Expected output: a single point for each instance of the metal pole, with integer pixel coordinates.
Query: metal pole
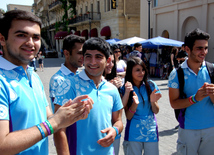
(148, 19)
(89, 27)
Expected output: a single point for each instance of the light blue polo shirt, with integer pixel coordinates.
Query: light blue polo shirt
(22, 101)
(56, 80)
(84, 134)
(143, 125)
(201, 114)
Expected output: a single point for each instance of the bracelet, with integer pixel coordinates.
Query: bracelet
(47, 128)
(50, 127)
(41, 130)
(194, 99)
(131, 111)
(191, 100)
(116, 129)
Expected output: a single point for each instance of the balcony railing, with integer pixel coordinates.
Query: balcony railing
(54, 4)
(93, 16)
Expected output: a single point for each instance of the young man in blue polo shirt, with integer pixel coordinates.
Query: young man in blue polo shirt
(196, 120)
(72, 48)
(25, 117)
(95, 134)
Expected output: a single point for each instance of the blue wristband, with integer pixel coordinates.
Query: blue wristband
(41, 130)
(115, 128)
(194, 98)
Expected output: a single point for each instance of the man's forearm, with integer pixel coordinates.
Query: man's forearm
(61, 143)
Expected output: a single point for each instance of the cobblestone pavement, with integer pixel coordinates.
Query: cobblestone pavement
(165, 117)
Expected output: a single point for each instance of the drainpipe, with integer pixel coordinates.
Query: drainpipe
(126, 19)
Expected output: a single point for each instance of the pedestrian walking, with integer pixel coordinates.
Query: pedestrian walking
(41, 61)
(33, 63)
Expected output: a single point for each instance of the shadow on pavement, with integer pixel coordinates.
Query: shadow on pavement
(168, 132)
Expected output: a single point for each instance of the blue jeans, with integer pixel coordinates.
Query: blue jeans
(33, 64)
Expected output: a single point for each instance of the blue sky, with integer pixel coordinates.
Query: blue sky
(4, 3)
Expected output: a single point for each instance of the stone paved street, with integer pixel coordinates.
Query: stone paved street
(165, 118)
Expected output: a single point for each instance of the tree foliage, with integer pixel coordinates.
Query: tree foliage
(65, 18)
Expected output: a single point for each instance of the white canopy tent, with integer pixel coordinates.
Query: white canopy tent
(130, 41)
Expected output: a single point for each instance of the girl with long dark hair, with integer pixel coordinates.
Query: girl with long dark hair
(140, 100)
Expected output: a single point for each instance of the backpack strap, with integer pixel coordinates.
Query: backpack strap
(180, 73)
(210, 69)
(180, 112)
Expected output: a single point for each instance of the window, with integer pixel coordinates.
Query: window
(92, 8)
(86, 8)
(155, 3)
(98, 6)
(104, 5)
(108, 5)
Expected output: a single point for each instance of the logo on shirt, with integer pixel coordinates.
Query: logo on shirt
(3, 112)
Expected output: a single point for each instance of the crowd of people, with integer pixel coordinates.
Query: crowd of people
(159, 62)
(87, 106)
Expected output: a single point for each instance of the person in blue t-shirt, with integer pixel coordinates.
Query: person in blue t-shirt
(140, 99)
(25, 117)
(95, 134)
(72, 48)
(196, 118)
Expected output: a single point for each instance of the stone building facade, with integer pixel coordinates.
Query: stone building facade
(94, 18)
(20, 7)
(174, 18)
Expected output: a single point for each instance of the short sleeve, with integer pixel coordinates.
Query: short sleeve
(173, 80)
(4, 102)
(117, 101)
(124, 64)
(153, 86)
(64, 92)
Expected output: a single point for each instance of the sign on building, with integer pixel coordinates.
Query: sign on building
(113, 4)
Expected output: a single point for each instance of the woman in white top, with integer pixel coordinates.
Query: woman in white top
(121, 65)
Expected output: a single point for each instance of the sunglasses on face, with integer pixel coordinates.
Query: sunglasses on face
(116, 51)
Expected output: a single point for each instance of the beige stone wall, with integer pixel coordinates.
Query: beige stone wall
(178, 17)
(19, 7)
(121, 26)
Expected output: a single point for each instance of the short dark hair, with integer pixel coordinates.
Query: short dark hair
(97, 44)
(69, 42)
(114, 47)
(137, 45)
(9, 16)
(129, 48)
(194, 35)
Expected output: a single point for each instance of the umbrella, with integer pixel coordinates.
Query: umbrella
(112, 41)
(130, 41)
(159, 42)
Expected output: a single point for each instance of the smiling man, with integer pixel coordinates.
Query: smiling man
(95, 134)
(72, 48)
(25, 120)
(196, 118)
